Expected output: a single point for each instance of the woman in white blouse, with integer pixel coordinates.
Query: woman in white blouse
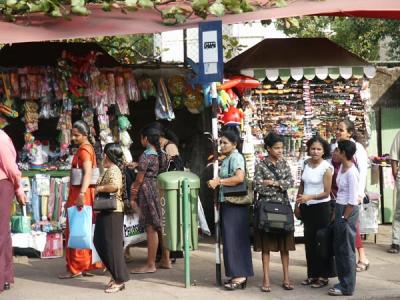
(346, 217)
(313, 199)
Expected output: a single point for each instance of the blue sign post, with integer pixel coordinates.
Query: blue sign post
(211, 70)
(211, 59)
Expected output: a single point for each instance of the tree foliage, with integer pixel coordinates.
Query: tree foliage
(359, 35)
(171, 11)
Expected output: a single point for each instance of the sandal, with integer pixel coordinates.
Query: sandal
(309, 281)
(110, 283)
(361, 266)
(69, 275)
(320, 283)
(266, 289)
(287, 286)
(335, 292)
(236, 285)
(115, 288)
(88, 274)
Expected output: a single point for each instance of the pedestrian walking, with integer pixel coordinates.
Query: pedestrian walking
(10, 186)
(108, 238)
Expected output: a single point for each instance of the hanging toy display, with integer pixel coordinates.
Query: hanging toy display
(31, 116)
(163, 108)
(232, 116)
(124, 137)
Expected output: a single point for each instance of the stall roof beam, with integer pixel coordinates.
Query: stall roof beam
(42, 28)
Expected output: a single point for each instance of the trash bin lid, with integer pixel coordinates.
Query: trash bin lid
(170, 180)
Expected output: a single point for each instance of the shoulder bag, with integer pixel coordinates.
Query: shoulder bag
(274, 216)
(105, 201)
(238, 194)
(77, 175)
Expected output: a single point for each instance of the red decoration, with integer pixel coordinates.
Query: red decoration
(232, 116)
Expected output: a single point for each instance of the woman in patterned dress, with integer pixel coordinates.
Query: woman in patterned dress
(144, 194)
(269, 188)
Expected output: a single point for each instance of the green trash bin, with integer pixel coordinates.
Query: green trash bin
(171, 198)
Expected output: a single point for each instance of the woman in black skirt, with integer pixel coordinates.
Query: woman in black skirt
(234, 217)
(272, 179)
(314, 202)
(108, 238)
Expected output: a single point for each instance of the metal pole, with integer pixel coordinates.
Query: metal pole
(186, 229)
(216, 203)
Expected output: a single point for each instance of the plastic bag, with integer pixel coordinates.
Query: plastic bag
(163, 108)
(80, 227)
(133, 233)
(95, 256)
(21, 224)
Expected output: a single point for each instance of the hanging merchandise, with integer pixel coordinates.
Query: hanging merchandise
(124, 137)
(193, 99)
(147, 88)
(163, 108)
(176, 86)
(121, 97)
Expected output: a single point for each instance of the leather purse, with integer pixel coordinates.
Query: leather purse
(105, 202)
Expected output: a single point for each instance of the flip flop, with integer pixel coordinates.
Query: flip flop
(266, 289)
(69, 275)
(320, 283)
(143, 272)
(88, 274)
(287, 286)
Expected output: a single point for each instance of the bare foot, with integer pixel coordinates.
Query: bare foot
(164, 264)
(144, 270)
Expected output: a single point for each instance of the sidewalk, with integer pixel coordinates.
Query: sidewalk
(37, 279)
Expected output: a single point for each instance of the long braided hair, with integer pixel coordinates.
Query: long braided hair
(116, 156)
(153, 137)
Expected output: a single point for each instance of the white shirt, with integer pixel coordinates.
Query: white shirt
(395, 149)
(361, 162)
(348, 186)
(313, 179)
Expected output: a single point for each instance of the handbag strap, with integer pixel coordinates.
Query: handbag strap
(278, 177)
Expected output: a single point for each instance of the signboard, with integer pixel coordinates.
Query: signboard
(211, 63)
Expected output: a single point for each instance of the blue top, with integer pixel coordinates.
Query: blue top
(229, 166)
(150, 151)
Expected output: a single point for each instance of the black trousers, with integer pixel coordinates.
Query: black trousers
(315, 217)
(108, 241)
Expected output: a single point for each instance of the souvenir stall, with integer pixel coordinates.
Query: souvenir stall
(41, 95)
(308, 86)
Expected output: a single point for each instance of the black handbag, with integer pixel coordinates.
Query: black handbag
(105, 202)
(240, 189)
(275, 217)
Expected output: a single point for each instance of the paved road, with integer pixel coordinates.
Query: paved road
(37, 279)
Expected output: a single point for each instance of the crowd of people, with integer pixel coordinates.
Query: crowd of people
(332, 187)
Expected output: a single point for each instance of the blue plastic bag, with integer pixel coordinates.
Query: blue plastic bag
(80, 227)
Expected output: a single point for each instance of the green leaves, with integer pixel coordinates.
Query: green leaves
(217, 9)
(78, 7)
(146, 3)
(174, 15)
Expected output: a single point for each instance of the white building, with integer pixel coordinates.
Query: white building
(172, 48)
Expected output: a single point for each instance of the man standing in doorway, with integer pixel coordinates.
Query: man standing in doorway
(395, 156)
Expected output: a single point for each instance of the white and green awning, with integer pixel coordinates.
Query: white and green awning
(298, 73)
